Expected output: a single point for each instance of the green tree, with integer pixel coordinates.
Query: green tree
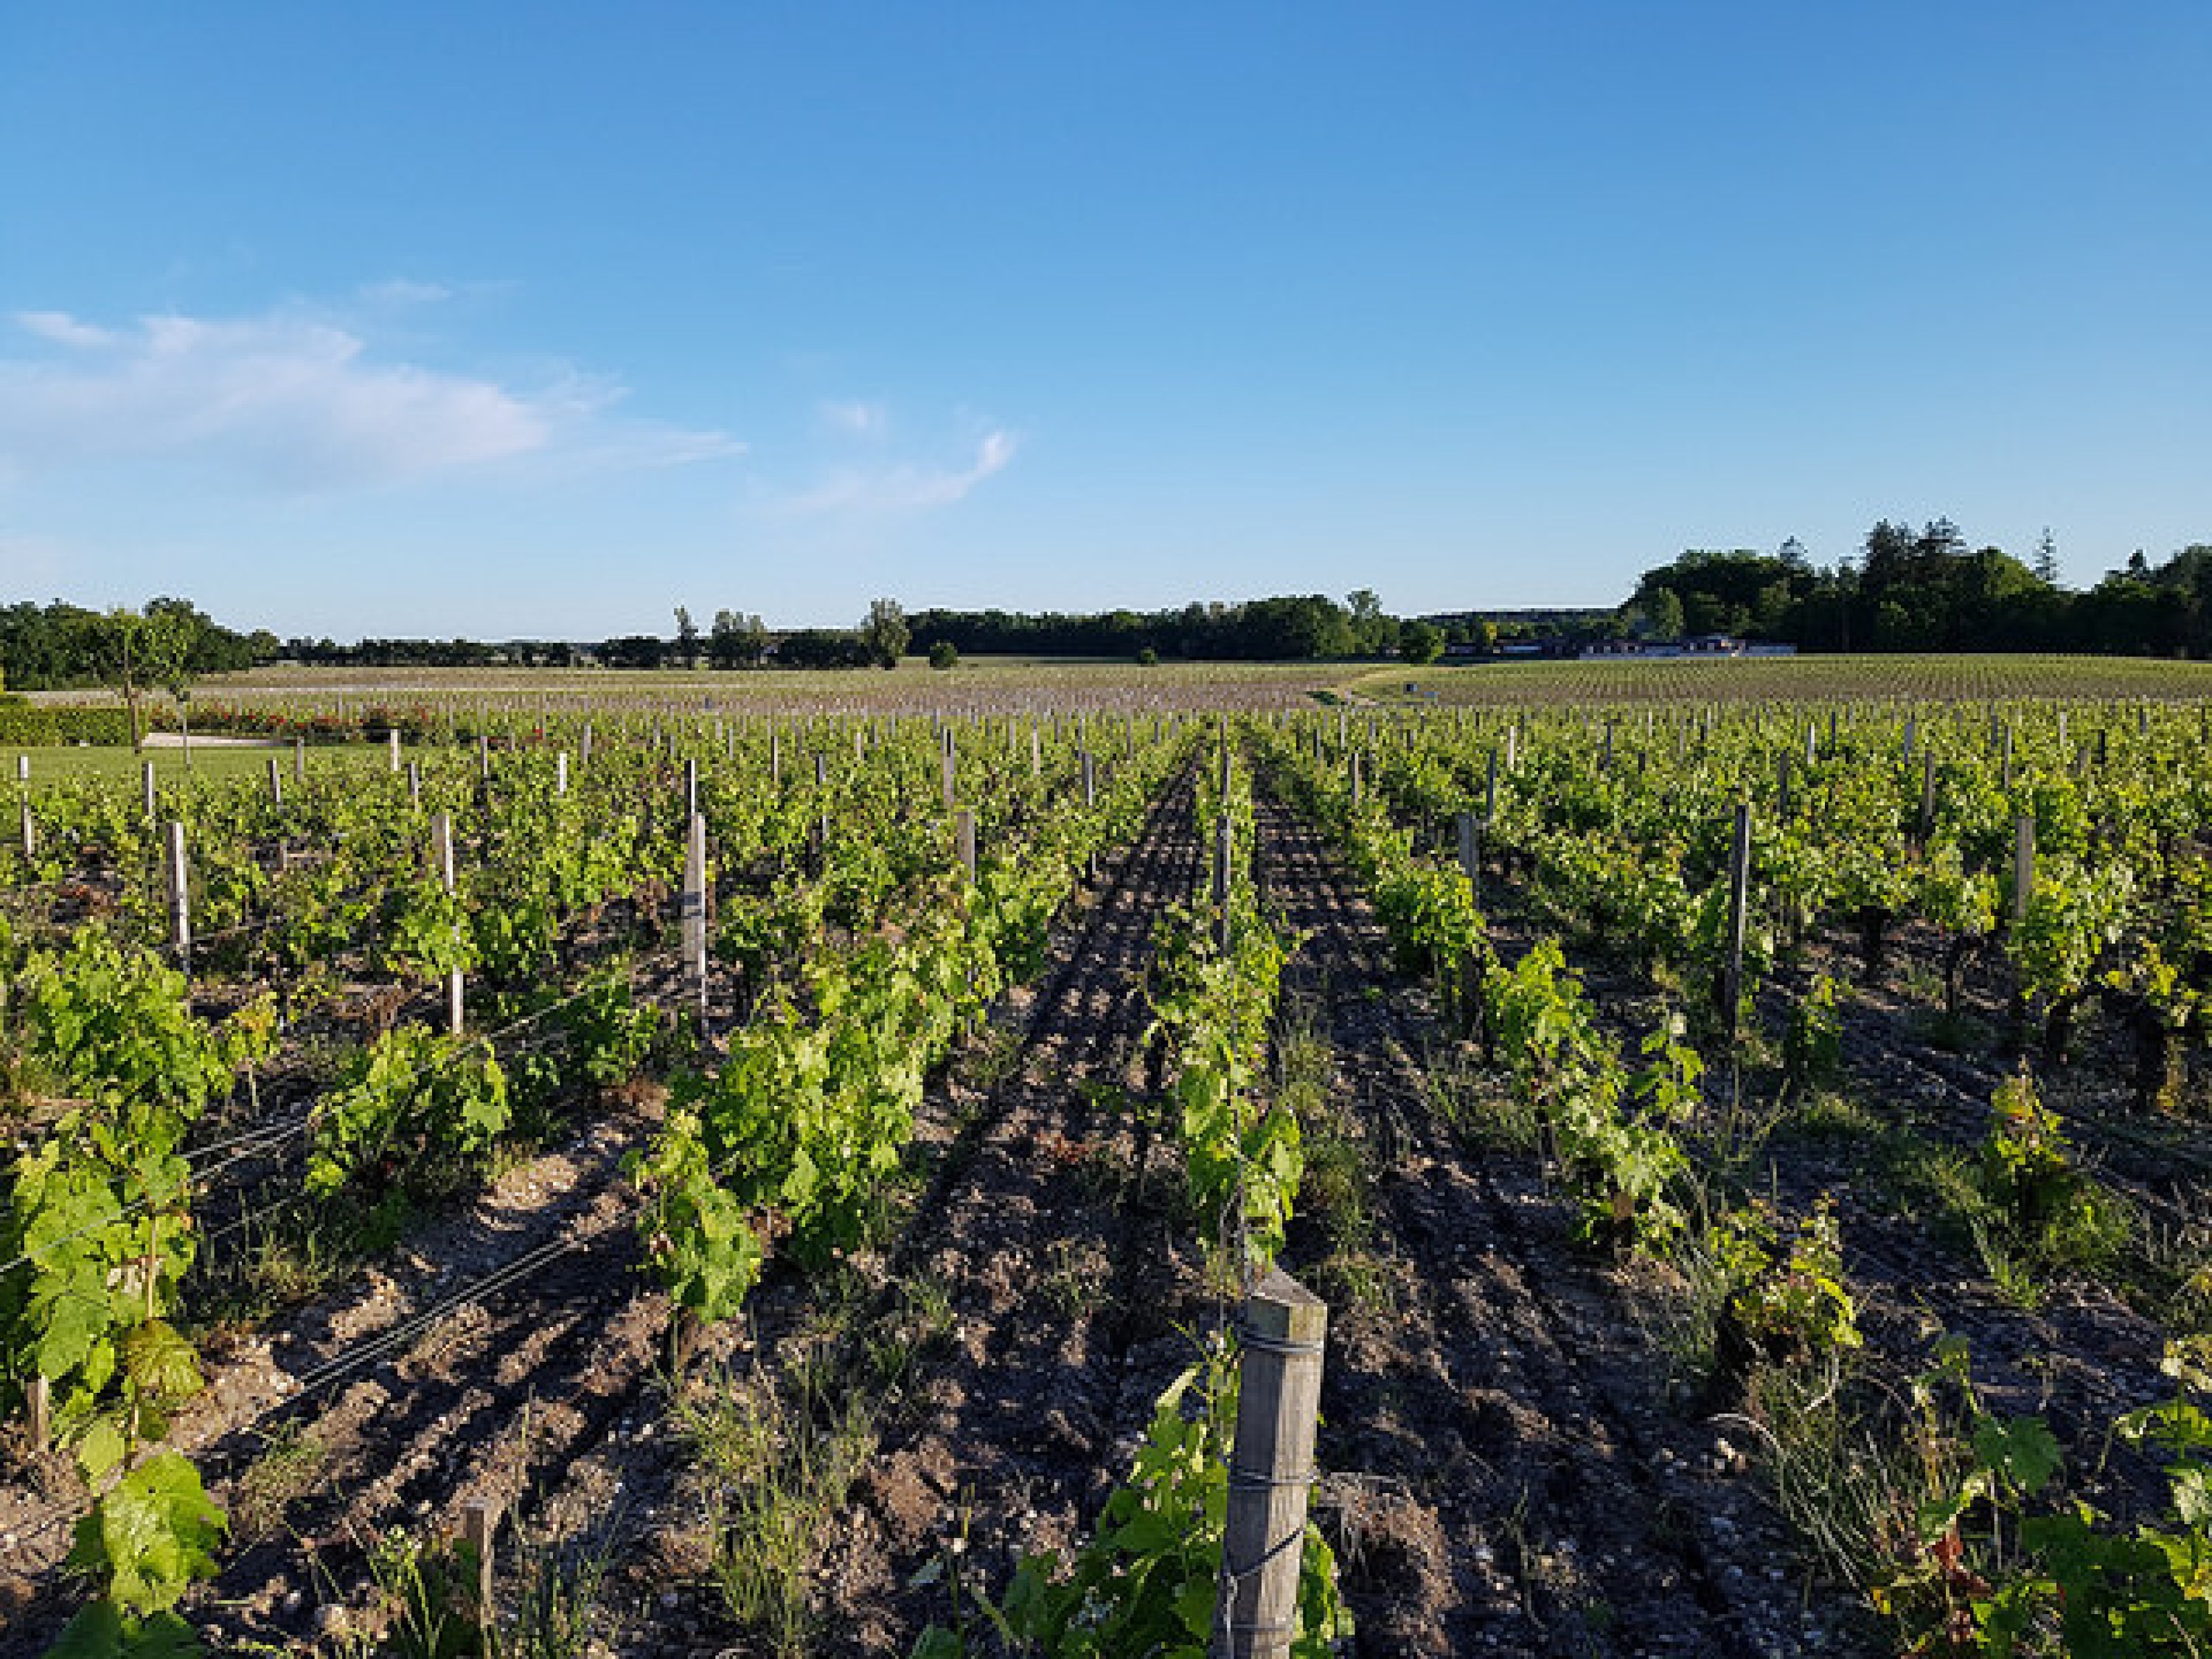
(138, 652)
(737, 641)
(1373, 633)
(1421, 641)
(944, 654)
(687, 638)
(884, 632)
(2046, 558)
(1662, 609)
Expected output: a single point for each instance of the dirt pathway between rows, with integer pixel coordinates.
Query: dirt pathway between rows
(1508, 1477)
(1052, 1230)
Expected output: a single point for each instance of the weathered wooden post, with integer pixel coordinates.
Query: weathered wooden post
(30, 829)
(276, 783)
(1357, 782)
(822, 819)
(39, 1407)
(1470, 853)
(479, 1521)
(298, 760)
(483, 757)
(692, 910)
(1927, 794)
(1225, 842)
(146, 783)
(963, 841)
(1090, 780)
(1490, 795)
(2023, 866)
(414, 783)
(180, 913)
(690, 789)
(441, 856)
(949, 770)
(392, 746)
(561, 773)
(1282, 1337)
(1739, 894)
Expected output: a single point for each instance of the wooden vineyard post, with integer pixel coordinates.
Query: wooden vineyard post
(146, 784)
(483, 757)
(276, 783)
(584, 754)
(37, 1408)
(2004, 773)
(1357, 782)
(392, 743)
(963, 841)
(1090, 780)
(180, 915)
(690, 789)
(479, 1521)
(1490, 797)
(1036, 752)
(1271, 1467)
(1927, 794)
(414, 784)
(30, 829)
(561, 773)
(441, 854)
(775, 753)
(1470, 853)
(1739, 892)
(298, 760)
(692, 911)
(2023, 866)
(1911, 731)
(1225, 842)
(949, 768)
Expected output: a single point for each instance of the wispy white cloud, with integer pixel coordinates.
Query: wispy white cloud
(908, 487)
(63, 329)
(857, 418)
(293, 401)
(402, 291)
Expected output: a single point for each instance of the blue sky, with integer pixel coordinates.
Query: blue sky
(504, 320)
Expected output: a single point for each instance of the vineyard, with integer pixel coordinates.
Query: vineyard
(563, 1177)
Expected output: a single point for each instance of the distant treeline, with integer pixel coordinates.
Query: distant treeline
(1928, 590)
(1299, 629)
(56, 646)
(1903, 590)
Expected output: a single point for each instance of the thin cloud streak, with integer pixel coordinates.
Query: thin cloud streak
(290, 402)
(908, 487)
(857, 418)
